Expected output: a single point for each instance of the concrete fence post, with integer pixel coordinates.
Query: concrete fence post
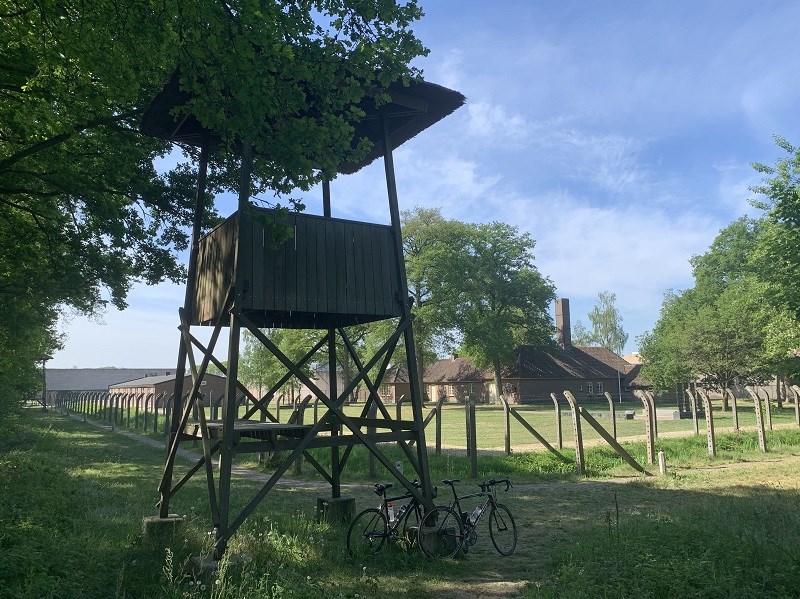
(559, 438)
(612, 413)
(506, 424)
(649, 435)
(712, 444)
(762, 436)
(580, 462)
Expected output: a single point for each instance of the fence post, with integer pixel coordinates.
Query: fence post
(576, 429)
(648, 427)
(712, 445)
(796, 392)
(613, 412)
(398, 407)
(373, 413)
(506, 424)
(473, 437)
(693, 407)
(768, 409)
(438, 425)
(762, 437)
(559, 440)
(653, 415)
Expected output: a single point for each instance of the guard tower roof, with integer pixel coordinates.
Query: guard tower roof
(411, 109)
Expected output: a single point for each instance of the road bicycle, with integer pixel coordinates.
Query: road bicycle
(373, 526)
(446, 530)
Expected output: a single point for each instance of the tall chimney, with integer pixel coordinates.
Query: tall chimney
(563, 327)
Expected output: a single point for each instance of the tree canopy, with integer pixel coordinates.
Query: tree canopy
(606, 322)
(719, 331)
(83, 211)
(499, 300)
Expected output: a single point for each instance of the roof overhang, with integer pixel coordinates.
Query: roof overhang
(411, 109)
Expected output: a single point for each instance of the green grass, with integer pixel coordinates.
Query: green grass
(74, 495)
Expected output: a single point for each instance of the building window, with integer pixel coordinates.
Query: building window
(471, 388)
(451, 390)
(590, 388)
(384, 392)
(599, 388)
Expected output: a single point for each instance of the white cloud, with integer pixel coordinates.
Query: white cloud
(495, 124)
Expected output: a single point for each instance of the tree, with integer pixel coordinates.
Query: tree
(714, 332)
(429, 241)
(498, 298)
(83, 212)
(581, 335)
(606, 322)
(777, 256)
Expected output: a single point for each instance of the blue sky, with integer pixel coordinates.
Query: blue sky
(618, 134)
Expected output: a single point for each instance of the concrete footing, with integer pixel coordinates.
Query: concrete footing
(339, 511)
(161, 530)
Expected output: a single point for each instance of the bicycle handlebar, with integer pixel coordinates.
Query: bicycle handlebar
(489, 484)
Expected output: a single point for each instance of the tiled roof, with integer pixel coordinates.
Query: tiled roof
(452, 370)
(151, 381)
(95, 379)
(573, 363)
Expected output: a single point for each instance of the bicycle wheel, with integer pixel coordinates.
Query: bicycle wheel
(440, 533)
(502, 529)
(367, 533)
(411, 524)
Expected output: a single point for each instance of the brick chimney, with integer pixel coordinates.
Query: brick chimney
(563, 326)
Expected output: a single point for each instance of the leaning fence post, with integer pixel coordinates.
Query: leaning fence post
(559, 440)
(576, 428)
(613, 412)
(648, 427)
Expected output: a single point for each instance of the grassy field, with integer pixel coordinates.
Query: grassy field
(74, 495)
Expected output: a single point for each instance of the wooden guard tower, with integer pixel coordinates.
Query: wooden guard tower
(330, 274)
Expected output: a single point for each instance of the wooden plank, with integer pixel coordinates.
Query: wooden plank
(340, 259)
(388, 285)
(291, 267)
(358, 292)
(369, 270)
(302, 272)
(349, 233)
(259, 266)
(330, 267)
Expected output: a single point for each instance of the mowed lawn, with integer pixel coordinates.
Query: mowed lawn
(74, 496)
